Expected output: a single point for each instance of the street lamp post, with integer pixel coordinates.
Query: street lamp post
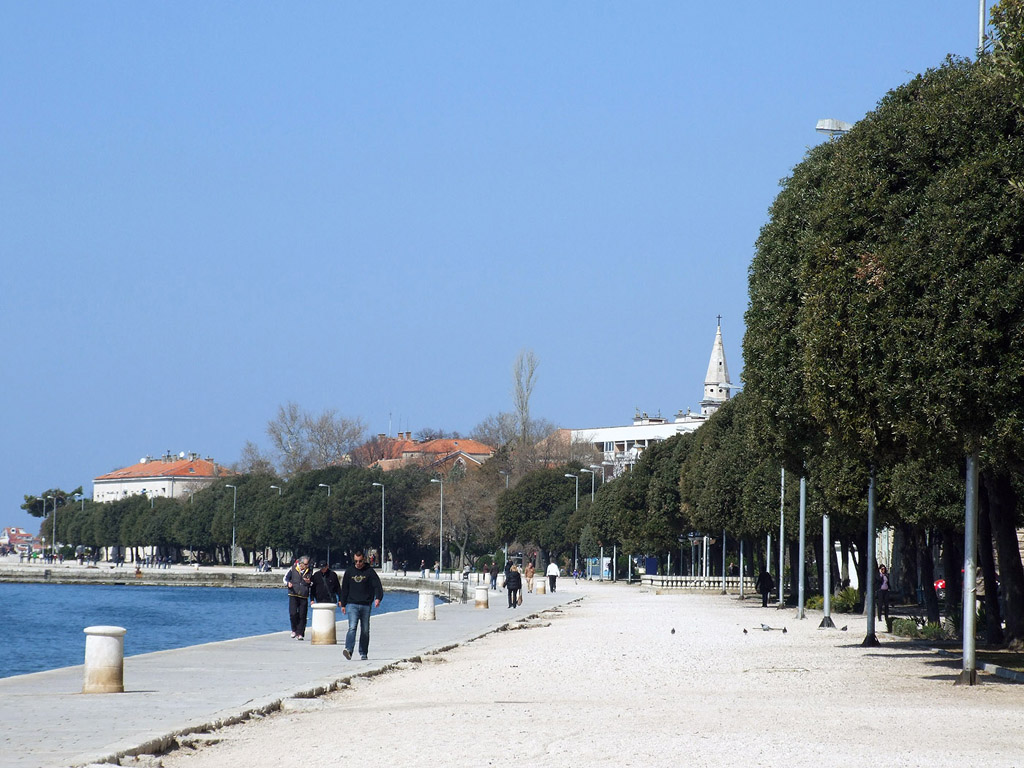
(325, 485)
(234, 508)
(506, 473)
(381, 486)
(591, 473)
(276, 488)
(53, 533)
(440, 535)
(576, 560)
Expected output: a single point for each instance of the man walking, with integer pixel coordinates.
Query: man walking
(552, 573)
(765, 585)
(325, 586)
(359, 588)
(298, 581)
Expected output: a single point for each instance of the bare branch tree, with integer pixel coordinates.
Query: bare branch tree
(524, 375)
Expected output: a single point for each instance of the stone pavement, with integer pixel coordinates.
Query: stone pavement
(49, 723)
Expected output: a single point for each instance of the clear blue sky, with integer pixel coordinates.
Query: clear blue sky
(209, 209)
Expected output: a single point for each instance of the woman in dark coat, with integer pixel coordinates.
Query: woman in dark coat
(765, 585)
(514, 583)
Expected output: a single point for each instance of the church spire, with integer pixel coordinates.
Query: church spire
(717, 387)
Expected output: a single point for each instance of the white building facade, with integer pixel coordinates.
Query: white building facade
(621, 447)
(173, 476)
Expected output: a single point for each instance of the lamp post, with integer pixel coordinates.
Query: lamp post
(506, 473)
(234, 508)
(276, 488)
(576, 559)
(591, 473)
(601, 467)
(381, 486)
(53, 533)
(325, 485)
(440, 528)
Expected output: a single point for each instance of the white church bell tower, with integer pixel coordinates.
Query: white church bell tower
(717, 387)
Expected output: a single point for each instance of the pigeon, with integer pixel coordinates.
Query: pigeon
(744, 631)
(673, 630)
(783, 630)
(843, 628)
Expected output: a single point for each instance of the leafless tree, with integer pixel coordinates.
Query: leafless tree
(253, 460)
(524, 376)
(470, 510)
(497, 430)
(303, 441)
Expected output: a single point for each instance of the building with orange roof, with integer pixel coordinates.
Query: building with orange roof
(443, 455)
(171, 475)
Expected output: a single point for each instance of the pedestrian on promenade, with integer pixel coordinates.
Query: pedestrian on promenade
(883, 592)
(298, 581)
(514, 585)
(528, 573)
(437, 569)
(360, 587)
(765, 585)
(552, 573)
(423, 569)
(494, 575)
(325, 586)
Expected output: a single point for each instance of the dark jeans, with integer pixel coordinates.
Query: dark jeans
(297, 607)
(883, 603)
(551, 582)
(513, 598)
(358, 615)
(764, 598)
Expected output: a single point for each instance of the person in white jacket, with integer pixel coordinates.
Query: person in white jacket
(552, 573)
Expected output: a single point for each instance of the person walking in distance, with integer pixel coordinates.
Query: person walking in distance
(528, 572)
(552, 573)
(325, 586)
(883, 592)
(360, 587)
(765, 585)
(493, 573)
(298, 581)
(514, 585)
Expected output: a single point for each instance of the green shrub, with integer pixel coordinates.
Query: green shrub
(906, 628)
(934, 632)
(845, 601)
(815, 603)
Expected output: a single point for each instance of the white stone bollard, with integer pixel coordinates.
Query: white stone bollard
(426, 610)
(540, 585)
(324, 620)
(104, 660)
(481, 597)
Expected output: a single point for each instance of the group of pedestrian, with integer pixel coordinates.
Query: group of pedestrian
(357, 592)
(766, 584)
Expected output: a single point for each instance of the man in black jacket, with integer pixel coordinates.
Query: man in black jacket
(298, 580)
(325, 586)
(360, 587)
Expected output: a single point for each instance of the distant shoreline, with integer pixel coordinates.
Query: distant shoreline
(182, 576)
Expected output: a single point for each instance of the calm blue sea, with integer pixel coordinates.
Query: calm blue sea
(41, 627)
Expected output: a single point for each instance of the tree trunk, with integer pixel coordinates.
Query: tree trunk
(1003, 505)
(794, 571)
(952, 568)
(993, 621)
(908, 562)
(931, 600)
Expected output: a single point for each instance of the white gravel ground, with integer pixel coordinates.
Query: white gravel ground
(605, 682)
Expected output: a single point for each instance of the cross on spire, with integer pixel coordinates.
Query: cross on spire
(719, 321)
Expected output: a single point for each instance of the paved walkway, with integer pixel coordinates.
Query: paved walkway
(49, 723)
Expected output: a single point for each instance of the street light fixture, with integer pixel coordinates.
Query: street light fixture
(325, 485)
(276, 488)
(234, 507)
(381, 486)
(53, 533)
(601, 467)
(506, 473)
(591, 473)
(576, 558)
(440, 546)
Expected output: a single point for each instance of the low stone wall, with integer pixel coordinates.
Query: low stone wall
(697, 584)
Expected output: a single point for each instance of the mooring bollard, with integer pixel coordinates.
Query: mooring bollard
(481, 597)
(104, 660)
(539, 585)
(324, 620)
(426, 611)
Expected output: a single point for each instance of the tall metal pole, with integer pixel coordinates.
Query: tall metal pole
(782, 536)
(53, 533)
(969, 675)
(803, 548)
(826, 574)
(981, 27)
(869, 567)
(381, 486)
(234, 507)
(723, 561)
(741, 570)
(440, 535)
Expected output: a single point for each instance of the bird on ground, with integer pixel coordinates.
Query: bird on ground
(843, 628)
(673, 630)
(744, 631)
